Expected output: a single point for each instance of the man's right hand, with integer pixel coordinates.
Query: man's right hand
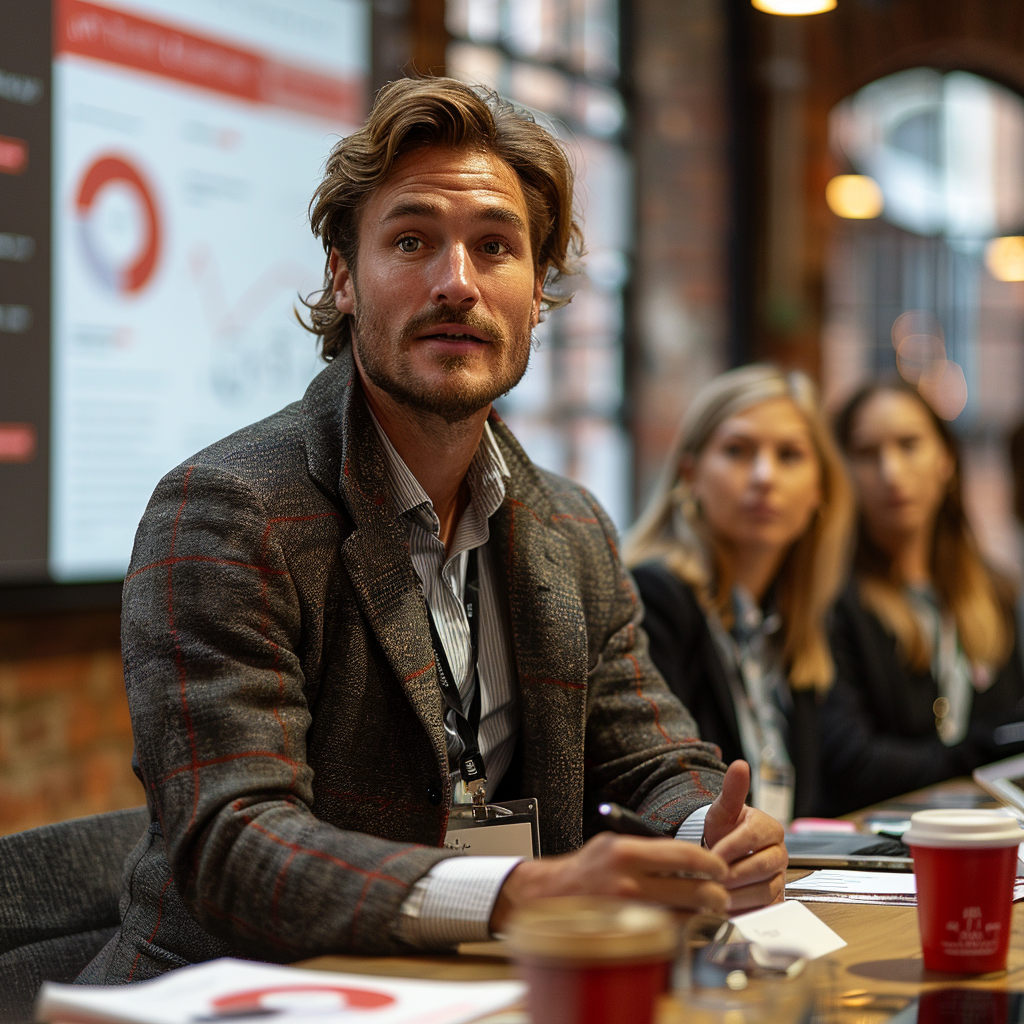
(629, 867)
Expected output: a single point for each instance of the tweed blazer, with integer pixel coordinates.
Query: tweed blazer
(285, 703)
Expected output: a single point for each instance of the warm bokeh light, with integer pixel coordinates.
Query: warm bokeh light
(1004, 258)
(918, 355)
(916, 321)
(854, 196)
(945, 389)
(794, 6)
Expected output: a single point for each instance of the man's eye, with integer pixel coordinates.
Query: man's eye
(494, 248)
(408, 244)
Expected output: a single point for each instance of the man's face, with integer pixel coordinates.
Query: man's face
(445, 291)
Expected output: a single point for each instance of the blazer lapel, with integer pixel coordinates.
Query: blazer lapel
(344, 456)
(550, 644)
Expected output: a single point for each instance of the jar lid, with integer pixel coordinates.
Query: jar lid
(963, 828)
(591, 928)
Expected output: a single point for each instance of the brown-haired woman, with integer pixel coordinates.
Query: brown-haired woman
(923, 637)
(738, 557)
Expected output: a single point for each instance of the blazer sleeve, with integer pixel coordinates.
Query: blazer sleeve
(642, 745)
(211, 630)
(863, 760)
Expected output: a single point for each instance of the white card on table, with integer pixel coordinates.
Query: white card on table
(789, 927)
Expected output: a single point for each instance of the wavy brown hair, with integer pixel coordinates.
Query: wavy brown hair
(673, 530)
(414, 112)
(980, 599)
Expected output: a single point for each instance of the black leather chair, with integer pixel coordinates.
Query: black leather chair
(59, 889)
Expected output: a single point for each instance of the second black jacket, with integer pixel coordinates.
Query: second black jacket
(685, 653)
(877, 724)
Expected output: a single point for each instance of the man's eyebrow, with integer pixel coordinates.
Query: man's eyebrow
(424, 208)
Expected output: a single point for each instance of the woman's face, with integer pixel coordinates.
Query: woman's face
(758, 480)
(900, 467)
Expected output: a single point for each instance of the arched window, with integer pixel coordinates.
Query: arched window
(926, 260)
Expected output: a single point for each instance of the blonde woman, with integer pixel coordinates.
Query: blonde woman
(738, 558)
(924, 635)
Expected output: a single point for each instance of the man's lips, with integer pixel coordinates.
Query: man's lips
(453, 333)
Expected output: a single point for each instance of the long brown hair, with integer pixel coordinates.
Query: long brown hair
(414, 112)
(979, 599)
(673, 530)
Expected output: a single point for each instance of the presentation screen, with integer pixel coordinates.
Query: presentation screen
(157, 158)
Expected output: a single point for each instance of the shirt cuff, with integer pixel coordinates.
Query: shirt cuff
(453, 901)
(692, 828)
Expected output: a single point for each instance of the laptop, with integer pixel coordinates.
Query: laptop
(848, 850)
(1005, 781)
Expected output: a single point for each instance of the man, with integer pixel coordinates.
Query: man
(300, 598)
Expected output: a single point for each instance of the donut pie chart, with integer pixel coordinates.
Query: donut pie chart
(132, 276)
(259, 1000)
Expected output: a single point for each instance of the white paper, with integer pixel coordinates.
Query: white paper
(789, 927)
(878, 883)
(222, 989)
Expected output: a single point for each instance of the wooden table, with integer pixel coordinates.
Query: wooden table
(878, 970)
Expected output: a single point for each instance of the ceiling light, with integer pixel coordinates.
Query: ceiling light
(854, 196)
(1004, 258)
(794, 6)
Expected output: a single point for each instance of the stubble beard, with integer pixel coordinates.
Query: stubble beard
(457, 398)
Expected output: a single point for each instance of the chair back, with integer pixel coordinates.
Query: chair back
(59, 891)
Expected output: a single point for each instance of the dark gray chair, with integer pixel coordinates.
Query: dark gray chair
(59, 889)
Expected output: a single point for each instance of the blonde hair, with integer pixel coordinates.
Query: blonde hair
(979, 599)
(672, 529)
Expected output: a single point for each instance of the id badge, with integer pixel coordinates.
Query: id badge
(511, 829)
(773, 792)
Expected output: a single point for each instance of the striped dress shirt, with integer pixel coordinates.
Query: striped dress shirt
(453, 901)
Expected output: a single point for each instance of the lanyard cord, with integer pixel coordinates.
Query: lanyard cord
(471, 762)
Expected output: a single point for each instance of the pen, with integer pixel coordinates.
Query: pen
(622, 819)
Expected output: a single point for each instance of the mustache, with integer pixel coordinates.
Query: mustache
(453, 315)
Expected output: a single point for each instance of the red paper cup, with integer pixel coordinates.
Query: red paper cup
(590, 960)
(965, 863)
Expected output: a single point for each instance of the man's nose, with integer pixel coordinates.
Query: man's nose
(455, 283)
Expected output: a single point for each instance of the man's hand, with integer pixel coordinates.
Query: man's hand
(629, 867)
(751, 842)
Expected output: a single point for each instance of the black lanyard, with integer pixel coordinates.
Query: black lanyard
(471, 762)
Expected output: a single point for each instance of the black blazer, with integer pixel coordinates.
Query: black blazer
(684, 651)
(877, 725)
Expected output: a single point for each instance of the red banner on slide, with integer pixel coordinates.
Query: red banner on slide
(104, 34)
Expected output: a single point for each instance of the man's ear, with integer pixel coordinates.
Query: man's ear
(342, 284)
(538, 296)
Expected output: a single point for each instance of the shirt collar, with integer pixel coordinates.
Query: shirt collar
(748, 617)
(486, 477)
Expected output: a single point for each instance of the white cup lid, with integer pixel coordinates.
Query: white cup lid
(963, 828)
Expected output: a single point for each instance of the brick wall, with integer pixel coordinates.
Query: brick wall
(65, 735)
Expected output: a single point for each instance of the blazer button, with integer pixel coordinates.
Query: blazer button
(434, 794)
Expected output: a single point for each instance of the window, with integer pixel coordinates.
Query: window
(560, 60)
